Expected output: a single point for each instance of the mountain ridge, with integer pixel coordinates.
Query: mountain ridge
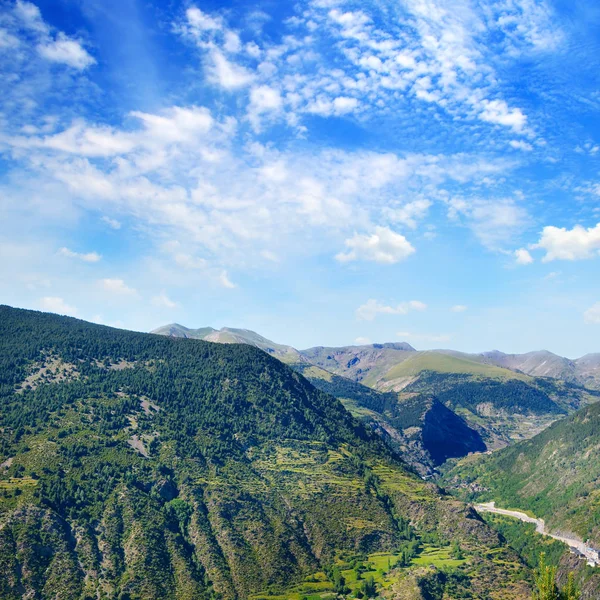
(139, 466)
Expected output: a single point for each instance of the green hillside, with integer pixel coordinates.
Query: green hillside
(556, 474)
(446, 363)
(136, 466)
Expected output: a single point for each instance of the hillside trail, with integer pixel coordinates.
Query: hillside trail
(540, 526)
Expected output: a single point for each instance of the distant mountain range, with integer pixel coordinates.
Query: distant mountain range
(496, 403)
(373, 363)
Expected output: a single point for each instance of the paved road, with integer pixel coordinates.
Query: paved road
(540, 527)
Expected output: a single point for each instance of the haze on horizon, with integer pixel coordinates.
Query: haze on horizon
(330, 172)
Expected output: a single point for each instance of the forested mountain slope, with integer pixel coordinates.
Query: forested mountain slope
(499, 405)
(422, 429)
(431, 434)
(145, 467)
(555, 476)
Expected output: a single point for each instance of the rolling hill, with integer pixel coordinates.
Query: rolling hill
(137, 466)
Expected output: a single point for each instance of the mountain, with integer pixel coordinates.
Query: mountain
(365, 364)
(583, 371)
(230, 335)
(138, 466)
(434, 433)
(503, 405)
(555, 475)
(176, 330)
(588, 370)
(500, 404)
(423, 430)
(537, 364)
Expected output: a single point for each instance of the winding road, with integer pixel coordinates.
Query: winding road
(589, 553)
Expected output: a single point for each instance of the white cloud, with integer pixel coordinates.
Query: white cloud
(117, 286)
(424, 337)
(561, 243)
(91, 257)
(7, 40)
(54, 46)
(383, 246)
(227, 74)
(225, 281)
(592, 314)
(200, 21)
(458, 308)
(494, 222)
(409, 213)
(57, 305)
(523, 257)
(372, 308)
(520, 145)
(499, 113)
(189, 262)
(263, 100)
(30, 15)
(163, 301)
(67, 51)
(183, 174)
(362, 341)
(112, 223)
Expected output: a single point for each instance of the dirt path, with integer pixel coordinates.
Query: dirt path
(589, 553)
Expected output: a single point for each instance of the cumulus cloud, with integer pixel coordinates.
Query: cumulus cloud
(90, 257)
(263, 100)
(520, 145)
(372, 308)
(67, 51)
(362, 341)
(383, 246)
(57, 305)
(440, 58)
(112, 223)
(117, 287)
(52, 45)
(499, 113)
(523, 257)
(592, 314)
(561, 243)
(228, 74)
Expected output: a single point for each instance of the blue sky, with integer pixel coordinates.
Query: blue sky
(325, 172)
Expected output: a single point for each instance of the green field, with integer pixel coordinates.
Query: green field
(382, 567)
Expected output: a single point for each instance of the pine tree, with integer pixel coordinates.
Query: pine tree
(571, 590)
(545, 581)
